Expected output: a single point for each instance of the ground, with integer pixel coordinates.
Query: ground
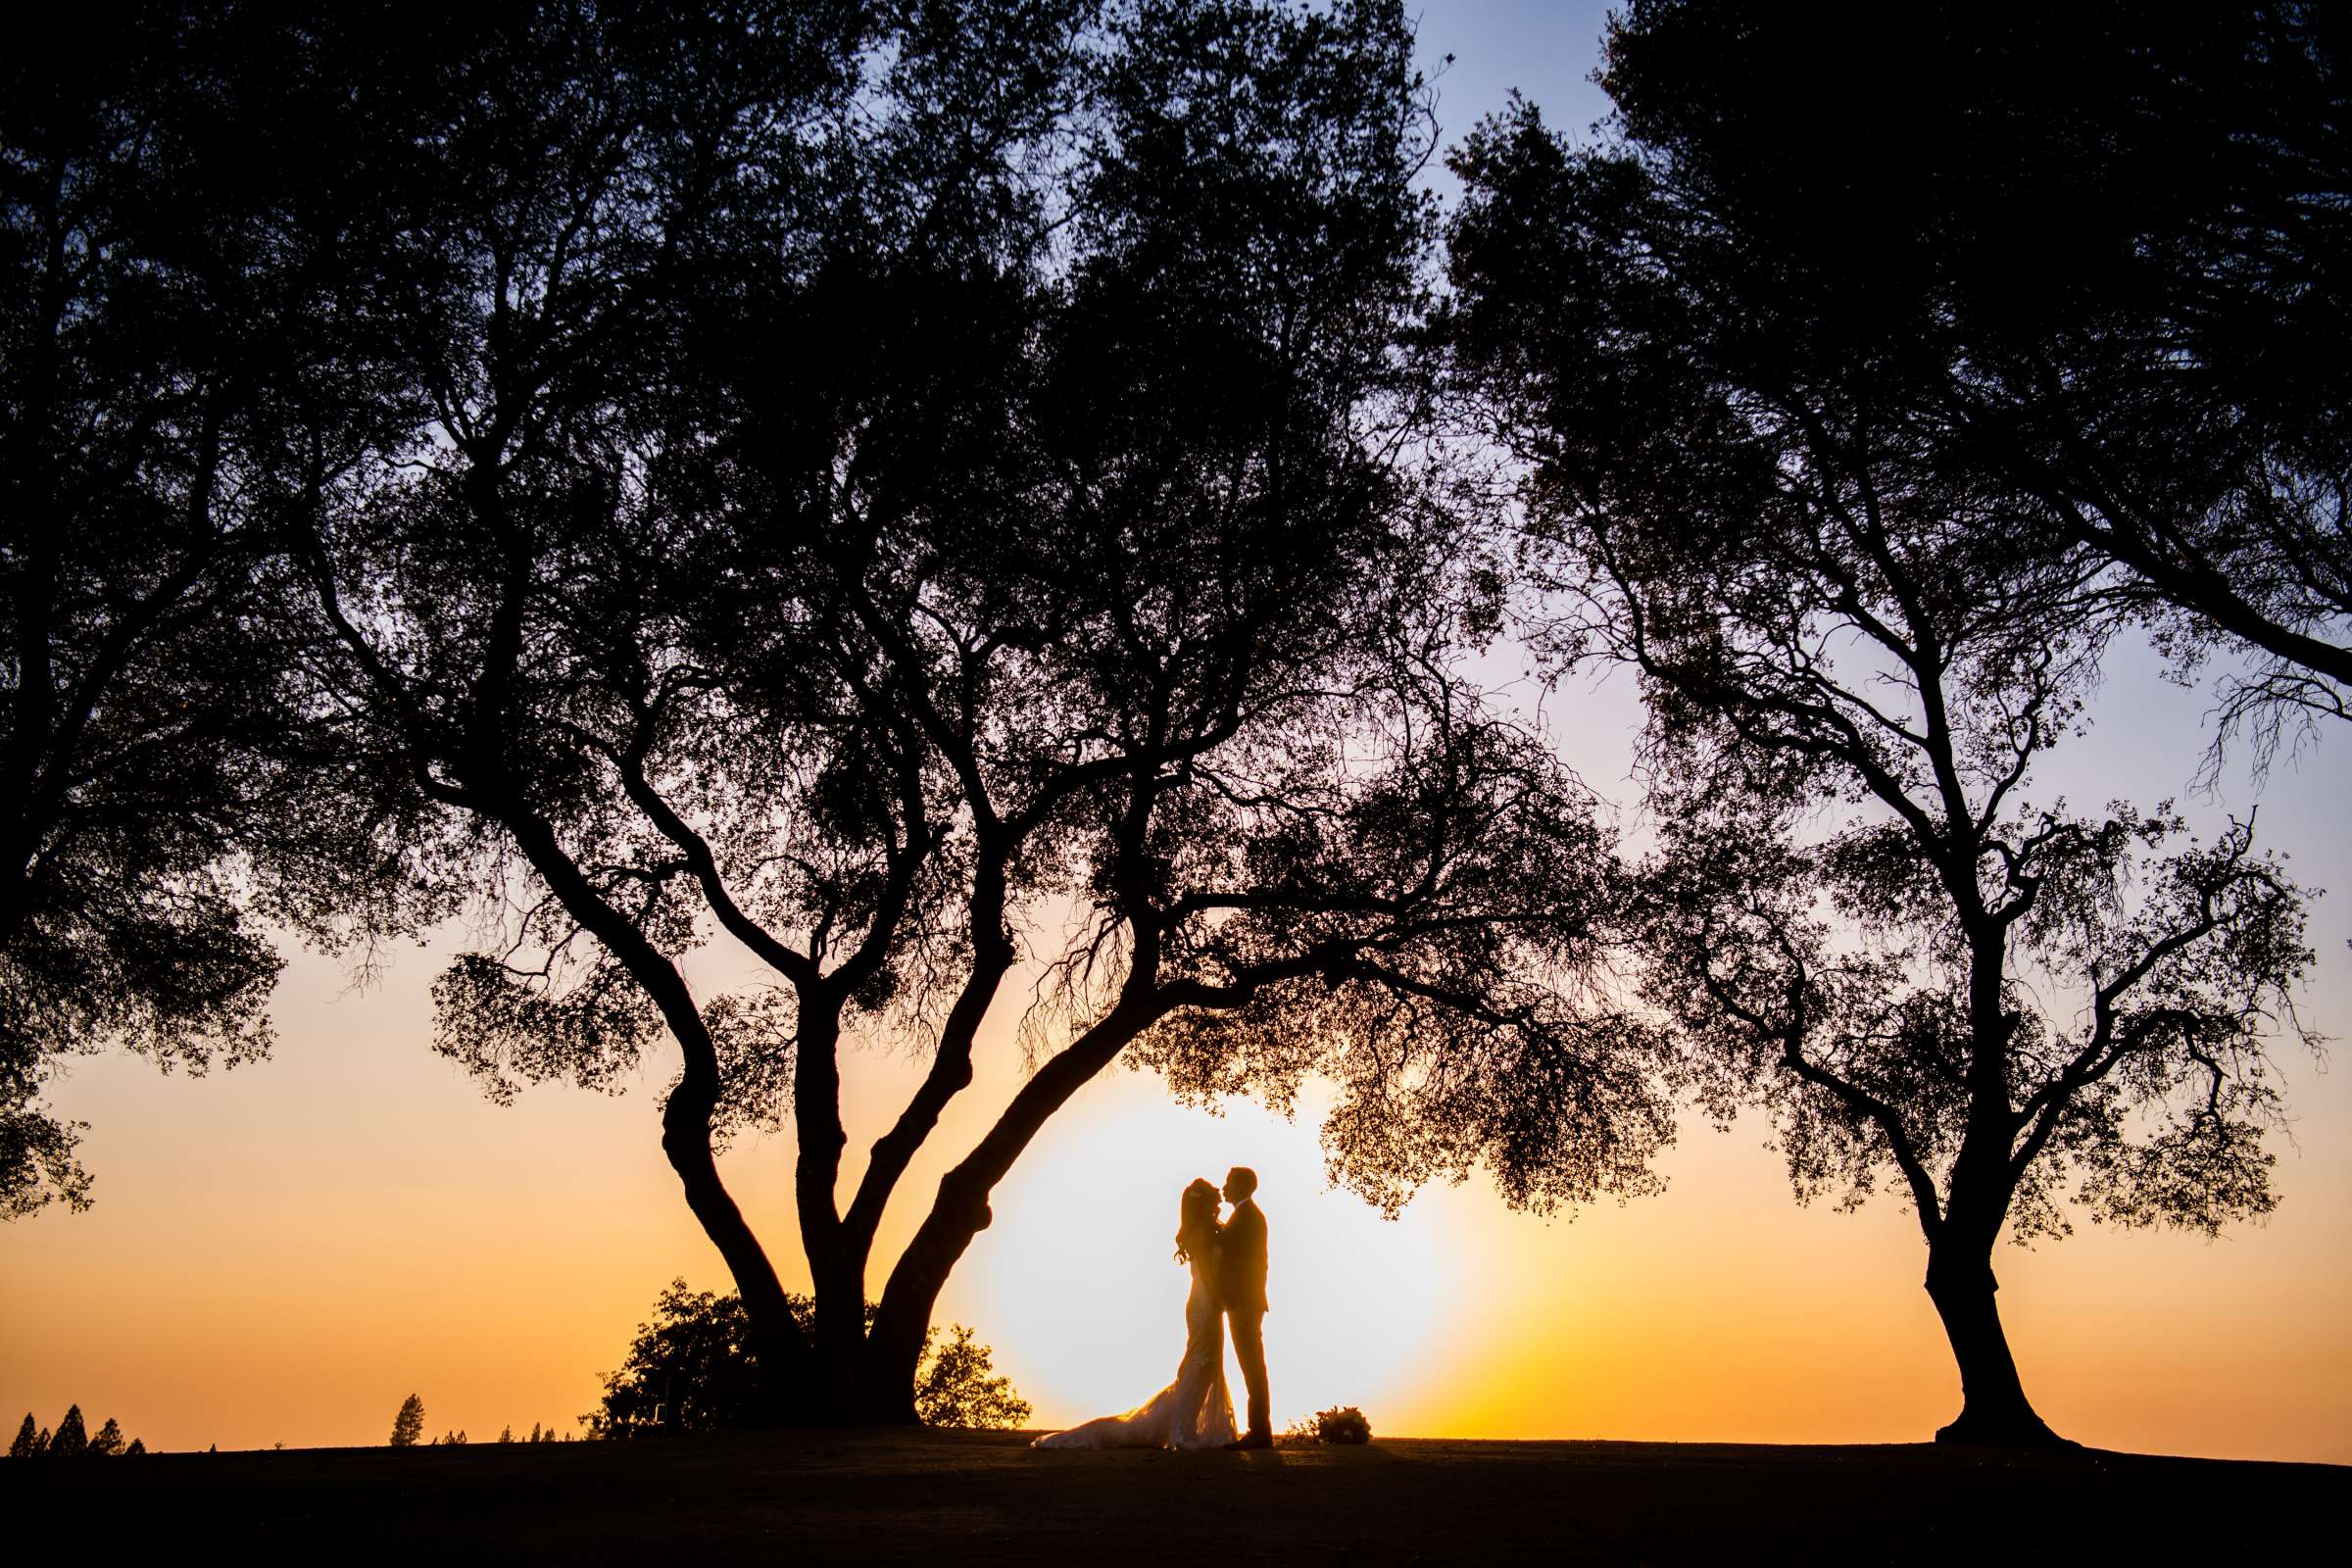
(797, 1497)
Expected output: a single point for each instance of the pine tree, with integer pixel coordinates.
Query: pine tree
(109, 1441)
(408, 1425)
(534, 1428)
(28, 1443)
(41, 1444)
(506, 1434)
(73, 1438)
(136, 1448)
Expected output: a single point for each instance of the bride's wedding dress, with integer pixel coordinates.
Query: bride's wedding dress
(1192, 1412)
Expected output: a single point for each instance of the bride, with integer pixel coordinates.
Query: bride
(1195, 1411)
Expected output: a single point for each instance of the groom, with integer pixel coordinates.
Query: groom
(1241, 1280)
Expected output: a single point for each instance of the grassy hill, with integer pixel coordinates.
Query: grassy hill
(984, 1497)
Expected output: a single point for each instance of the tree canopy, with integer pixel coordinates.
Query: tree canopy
(2097, 257)
(175, 347)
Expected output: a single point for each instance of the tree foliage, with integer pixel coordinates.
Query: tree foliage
(958, 1385)
(73, 1439)
(176, 223)
(28, 1443)
(2097, 257)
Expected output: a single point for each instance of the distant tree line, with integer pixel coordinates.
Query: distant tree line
(948, 495)
(71, 1439)
(408, 1429)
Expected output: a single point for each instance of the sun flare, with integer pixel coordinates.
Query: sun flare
(1078, 1285)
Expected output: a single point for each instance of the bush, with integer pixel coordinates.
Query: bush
(691, 1369)
(954, 1389)
(1341, 1424)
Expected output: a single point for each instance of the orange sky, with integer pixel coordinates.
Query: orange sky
(281, 1253)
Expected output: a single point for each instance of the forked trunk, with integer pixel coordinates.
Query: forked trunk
(893, 1345)
(1993, 1407)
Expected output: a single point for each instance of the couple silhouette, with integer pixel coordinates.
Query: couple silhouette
(1228, 1262)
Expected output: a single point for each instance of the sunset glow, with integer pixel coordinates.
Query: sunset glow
(280, 1253)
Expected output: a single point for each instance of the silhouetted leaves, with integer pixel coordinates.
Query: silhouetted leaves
(176, 353)
(957, 1386)
(2095, 258)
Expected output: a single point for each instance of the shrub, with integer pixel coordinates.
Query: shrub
(691, 1369)
(1342, 1423)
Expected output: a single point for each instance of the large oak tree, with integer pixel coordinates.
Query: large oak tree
(921, 495)
(1856, 644)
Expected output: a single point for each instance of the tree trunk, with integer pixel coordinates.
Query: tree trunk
(1993, 1407)
(893, 1348)
(786, 1392)
(840, 1338)
(787, 1369)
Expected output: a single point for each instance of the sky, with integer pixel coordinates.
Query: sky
(282, 1252)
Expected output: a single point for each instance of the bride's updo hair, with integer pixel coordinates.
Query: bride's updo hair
(1197, 1221)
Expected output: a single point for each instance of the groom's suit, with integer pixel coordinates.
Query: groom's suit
(1242, 1281)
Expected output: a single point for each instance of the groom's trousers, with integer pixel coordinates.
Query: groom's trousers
(1249, 1349)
